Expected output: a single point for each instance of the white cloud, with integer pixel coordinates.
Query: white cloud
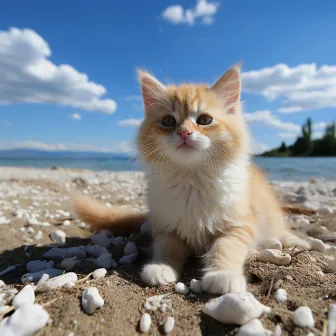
(130, 122)
(259, 147)
(300, 88)
(28, 76)
(76, 116)
(204, 10)
(266, 117)
(114, 147)
(320, 125)
(288, 135)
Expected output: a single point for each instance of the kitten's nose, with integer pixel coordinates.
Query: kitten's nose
(184, 134)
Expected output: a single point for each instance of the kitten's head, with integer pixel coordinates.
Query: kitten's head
(192, 125)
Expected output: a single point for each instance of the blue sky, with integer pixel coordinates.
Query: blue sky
(67, 68)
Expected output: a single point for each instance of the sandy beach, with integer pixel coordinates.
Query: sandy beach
(36, 202)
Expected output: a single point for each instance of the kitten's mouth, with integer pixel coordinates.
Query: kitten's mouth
(185, 146)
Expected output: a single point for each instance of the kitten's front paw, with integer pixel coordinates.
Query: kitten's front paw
(221, 282)
(158, 274)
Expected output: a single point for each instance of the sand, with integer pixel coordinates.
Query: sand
(42, 192)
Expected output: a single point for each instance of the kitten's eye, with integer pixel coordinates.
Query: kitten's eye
(168, 121)
(204, 120)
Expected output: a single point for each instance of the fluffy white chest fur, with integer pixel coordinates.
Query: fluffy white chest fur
(196, 203)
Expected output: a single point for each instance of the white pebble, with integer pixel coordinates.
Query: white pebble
(36, 276)
(196, 286)
(95, 250)
(101, 239)
(332, 320)
(303, 317)
(104, 260)
(128, 259)
(91, 300)
(99, 273)
(4, 221)
(252, 328)
(316, 244)
(38, 265)
(26, 321)
(235, 308)
(58, 236)
(57, 282)
(280, 295)
(145, 323)
(67, 223)
(2, 284)
(26, 295)
(332, 264)
(69, 285)
(277, 330)
(69, 264)
(130, 248)
(181, 288)
(154, 302)
(275, 257)
(168, 324)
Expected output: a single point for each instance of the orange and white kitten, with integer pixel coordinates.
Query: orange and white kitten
(205, 197)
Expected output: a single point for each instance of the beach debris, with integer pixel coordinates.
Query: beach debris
(104, 260)
(44, 278)
(99, 273)
(69, 264)
(36, 276)
(66, 223)
(26, 321)
(130, 248)
(91, 300)
(303, 317)
(168, 324)
(62, 253)
(280, 295)
(235, 308)
(101, 239)
(253, 328)
(26, 295)
(273, 244)
(95, 250)
(332, 320)
(39, 235)
(181, 288)
(9, 269)
(33, 221)
(145, 322)
(38, 265)
(157, 301)
(275, 257)
(196, 286)
(58, 236)
(332, 264)
(128, 259)
(316, 245)
(57, 282)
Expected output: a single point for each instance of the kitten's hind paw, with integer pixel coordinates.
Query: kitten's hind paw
(221, 282)
(158, 274)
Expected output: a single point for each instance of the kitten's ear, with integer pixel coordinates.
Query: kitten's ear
(228, 88)
(152, 90)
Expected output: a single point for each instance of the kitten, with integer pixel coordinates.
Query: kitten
(205, 197)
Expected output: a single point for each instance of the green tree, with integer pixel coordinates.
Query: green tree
(283, 147)
(303, 144)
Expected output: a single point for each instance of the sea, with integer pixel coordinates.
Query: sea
(284, 169)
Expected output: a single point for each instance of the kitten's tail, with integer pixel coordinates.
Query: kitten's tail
(120, 220)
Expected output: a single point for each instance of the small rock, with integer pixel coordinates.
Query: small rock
(303, 317)
(101, 239)
(316, 245)
(26, 295)
(36, 276)
(69, 264)
(181, 288)
(105, 261)
(2, 284)
(168, 324)
(96, 250)
(26, 321)
(280, 295)
(128, 259)
(67, 223)
(38, 265)
(91, 300)
(118, 241)
(289, 278)
(99, 273)
(235, 308)
(252, 328)
(58, 236)
(277, 330)
(130, 248)
(196, 286)
(145, 323)
(275, 257)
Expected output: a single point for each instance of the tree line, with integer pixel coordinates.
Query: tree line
(305, 145)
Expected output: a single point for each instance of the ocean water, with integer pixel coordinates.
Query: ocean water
(287, 169)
